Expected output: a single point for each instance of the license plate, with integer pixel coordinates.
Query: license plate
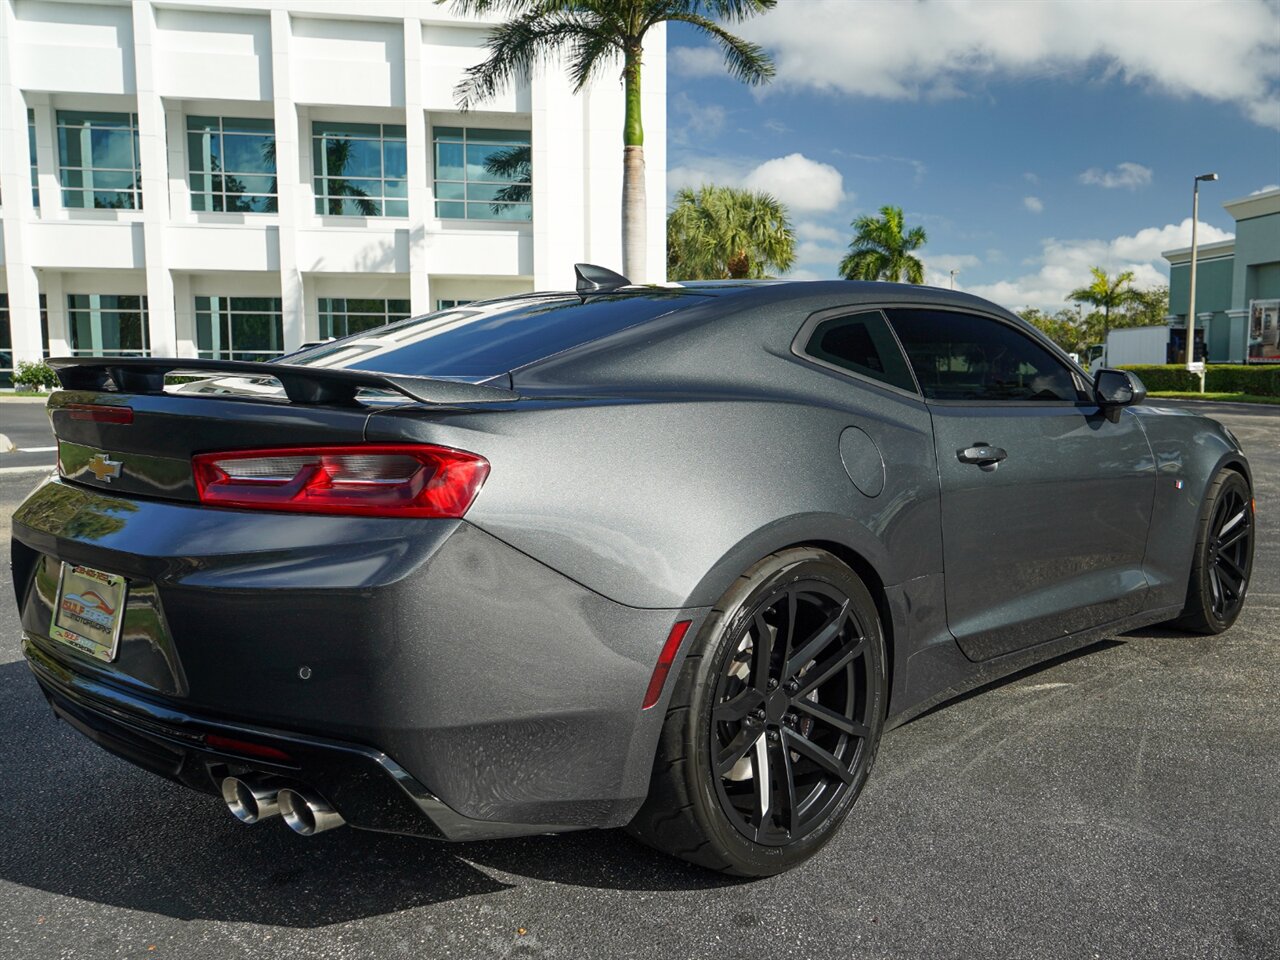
(89, 611)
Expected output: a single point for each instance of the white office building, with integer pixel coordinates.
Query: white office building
(232, 179)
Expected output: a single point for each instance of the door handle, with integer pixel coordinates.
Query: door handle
(984, 455)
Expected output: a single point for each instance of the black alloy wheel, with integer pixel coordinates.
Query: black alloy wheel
(789, 721)
(774, 720)
(1223, 558)
(1230, 552)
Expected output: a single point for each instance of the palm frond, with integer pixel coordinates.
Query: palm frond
(515, 48)
(745, 61)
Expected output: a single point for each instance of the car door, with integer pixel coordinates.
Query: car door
(1045, 502)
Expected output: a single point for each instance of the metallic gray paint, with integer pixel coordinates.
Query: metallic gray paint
(500, 661)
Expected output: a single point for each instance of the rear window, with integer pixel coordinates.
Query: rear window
(480, 341)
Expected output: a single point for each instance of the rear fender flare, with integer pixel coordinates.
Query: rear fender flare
(783, 533)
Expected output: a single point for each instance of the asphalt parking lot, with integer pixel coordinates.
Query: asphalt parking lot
(1121, 802)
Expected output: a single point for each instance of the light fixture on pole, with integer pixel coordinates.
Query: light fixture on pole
(1192, 365)
(953, 278)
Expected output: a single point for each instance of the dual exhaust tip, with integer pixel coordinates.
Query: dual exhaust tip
(252, 799)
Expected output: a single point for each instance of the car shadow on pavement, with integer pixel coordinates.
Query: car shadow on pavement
(78, 822)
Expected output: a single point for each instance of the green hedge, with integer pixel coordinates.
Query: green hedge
(1260, 379)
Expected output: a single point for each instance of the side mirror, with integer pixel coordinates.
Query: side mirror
(1114, 389)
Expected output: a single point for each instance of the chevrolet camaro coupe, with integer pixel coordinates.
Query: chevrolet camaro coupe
(670, 558)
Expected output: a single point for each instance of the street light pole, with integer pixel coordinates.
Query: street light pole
(953, 278)
(1192, 367)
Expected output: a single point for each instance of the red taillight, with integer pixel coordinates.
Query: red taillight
(663, 666)
(99, 413)
(233, 745)
(375, 480)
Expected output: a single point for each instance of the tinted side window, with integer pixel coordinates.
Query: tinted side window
(959, 356)
(861, 343)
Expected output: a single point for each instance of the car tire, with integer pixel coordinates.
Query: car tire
(813, 748)
(1223, 559)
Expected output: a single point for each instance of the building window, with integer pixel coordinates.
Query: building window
(6, 338)
(239, 328)
(106, 325)
(98, 160)
(31, 148)
(6, 343)
(483, 174)
(451, 304)
(343, 316)
(231, 164)
(360, 169)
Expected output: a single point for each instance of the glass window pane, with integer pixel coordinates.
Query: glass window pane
(451, 191)
(491, 191)
(120, 200)
(393, 158)
(960, 356)
(499, 211)
(322, 128)
(396, 208)
(479, 159)
(113, 179)
(112, 149)
(202, 123)
(862, 344)
(244, 154)
(242, 183)
(354, 158)
(448, 133)
(451, 211)
(449, 162)
(488, 340)
(489, 135)
(248, 125)
(202, 151)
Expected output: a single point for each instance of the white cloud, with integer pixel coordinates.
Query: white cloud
(800, 183)
(804, 185)
(1130, 175)
(807, 230)
(1034, 204)
(1224, 50)
(1267, 189)
(1031, 178)
(1064, 264)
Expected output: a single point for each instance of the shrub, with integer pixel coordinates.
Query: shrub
(1258, 379)
(1160, 377)
(1263, 381)
(34, 374)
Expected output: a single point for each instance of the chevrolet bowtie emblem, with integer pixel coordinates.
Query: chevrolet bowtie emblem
(104, 468)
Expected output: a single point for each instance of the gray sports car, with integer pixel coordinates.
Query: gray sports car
(664, 557)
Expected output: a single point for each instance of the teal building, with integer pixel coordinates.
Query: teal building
(1237, 288)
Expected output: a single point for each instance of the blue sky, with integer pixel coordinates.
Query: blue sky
(1030, 139)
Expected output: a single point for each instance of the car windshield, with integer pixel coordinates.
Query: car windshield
(485, 340)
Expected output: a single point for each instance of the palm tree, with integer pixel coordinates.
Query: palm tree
(722, 233)
(881, 249)
(1106, 293)
(593, 34)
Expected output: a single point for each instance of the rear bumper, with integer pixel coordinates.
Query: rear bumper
(507, 694)
(369, 789)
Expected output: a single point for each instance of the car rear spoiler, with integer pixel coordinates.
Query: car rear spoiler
(302, 384)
